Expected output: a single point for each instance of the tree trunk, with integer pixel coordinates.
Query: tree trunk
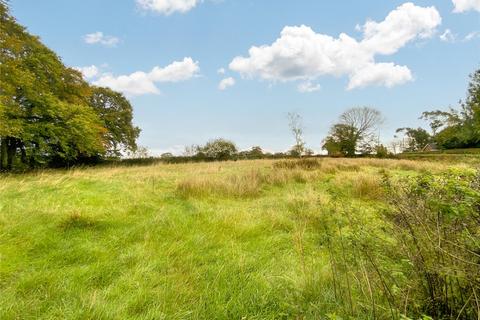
(23, 154)
(11, 150)
(3, 153)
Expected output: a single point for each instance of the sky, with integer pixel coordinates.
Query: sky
(196, 70)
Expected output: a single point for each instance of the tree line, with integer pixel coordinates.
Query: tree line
(49, 116)
(357, 133)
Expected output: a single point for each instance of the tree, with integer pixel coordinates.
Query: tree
(255, 153)
(366, 122)
(46, 111)
(295, 122)
(458, 128)
(116, 113)
(218, 149)
(355, 132)
(381, 151)
(167, 155)
(417, 139)
(139, 153)
(341, 141)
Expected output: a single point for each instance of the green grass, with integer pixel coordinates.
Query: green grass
(233, 240)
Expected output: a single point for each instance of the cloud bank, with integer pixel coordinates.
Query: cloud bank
(302, 54)
(139, 82)
(466, 5)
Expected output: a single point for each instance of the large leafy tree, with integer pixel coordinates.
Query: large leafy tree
(341, 141)
(116, 113)
(356, 132)
(218, 149)
(417, 139)
(47, 114)
(459, 128)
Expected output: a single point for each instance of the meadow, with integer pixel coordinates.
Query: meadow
(264, 239)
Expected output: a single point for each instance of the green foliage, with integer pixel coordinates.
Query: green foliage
(301, 239)
(355, 132)
(435, 220)
(255, 153)
(48, 114)
(342, 140)
(381, 151)
(116, 113)
(217, 149)
(417, 139)
(459, 128)
(305, 164)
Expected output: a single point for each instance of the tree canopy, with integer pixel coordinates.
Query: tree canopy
(458, 128)
(354, 133)
(48, 114)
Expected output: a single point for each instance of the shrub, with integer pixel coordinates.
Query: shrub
(437, 226)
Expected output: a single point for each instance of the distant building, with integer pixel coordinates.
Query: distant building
(430, 147)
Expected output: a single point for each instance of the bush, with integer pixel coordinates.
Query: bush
(218, 149)
(437, 226)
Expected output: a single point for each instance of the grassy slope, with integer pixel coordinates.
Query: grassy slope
(150, 243)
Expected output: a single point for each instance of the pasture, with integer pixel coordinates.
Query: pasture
(285, 239)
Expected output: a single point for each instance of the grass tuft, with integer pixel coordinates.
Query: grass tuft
(77, 220)
(304, 164)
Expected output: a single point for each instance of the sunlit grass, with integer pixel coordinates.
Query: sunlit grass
(228, 240)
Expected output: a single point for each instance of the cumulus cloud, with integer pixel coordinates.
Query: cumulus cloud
(99, 38)
(384, 74)
(168, 7)
(447, 36)
(88, 72)
(221, 71)
(225, 83)
(302, 54)
(140, 83)
(466, 5)
(308, 86)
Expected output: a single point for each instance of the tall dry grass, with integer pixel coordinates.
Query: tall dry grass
(243, 184)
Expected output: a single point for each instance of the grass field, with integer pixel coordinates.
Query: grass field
(231, 240)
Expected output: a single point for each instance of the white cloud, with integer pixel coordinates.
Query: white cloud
(168, 7)
(447, 36)
(176, 71)
(140, 83)
(384, 74)
(466, 5)
(472, 35)
(88, 72)
(225, 83)
(221, 71)
(302, 54)
(100, 38)
(137, 83)
(308, 86)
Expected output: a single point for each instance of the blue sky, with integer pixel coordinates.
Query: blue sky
(165, 55)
